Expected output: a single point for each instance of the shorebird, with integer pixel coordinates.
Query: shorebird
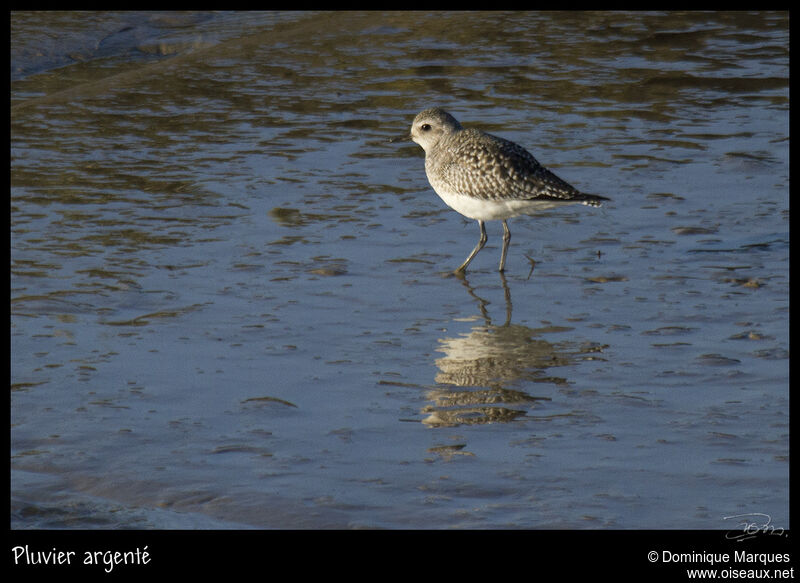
(485, 177)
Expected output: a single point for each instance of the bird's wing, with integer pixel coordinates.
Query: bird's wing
(494, 168)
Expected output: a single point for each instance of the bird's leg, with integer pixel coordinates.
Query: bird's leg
(478, 247)
(506, 239)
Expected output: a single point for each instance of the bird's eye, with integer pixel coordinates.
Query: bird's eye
(425, 127)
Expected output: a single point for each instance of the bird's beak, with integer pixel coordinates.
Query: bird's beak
(402, 138)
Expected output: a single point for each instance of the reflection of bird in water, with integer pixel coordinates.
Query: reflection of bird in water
(469, 416)
(493, 357)
(492, 354)
(497, 354)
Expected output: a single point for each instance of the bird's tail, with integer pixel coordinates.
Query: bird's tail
(593, 199)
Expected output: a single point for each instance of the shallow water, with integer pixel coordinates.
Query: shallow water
(229, 292)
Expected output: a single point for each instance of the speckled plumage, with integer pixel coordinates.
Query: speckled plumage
(484, 166)
(485, 177)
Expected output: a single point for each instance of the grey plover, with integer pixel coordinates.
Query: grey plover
(485, 177)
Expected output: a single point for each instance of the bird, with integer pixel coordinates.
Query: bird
(486, 177)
